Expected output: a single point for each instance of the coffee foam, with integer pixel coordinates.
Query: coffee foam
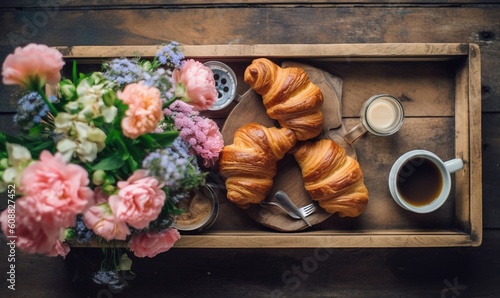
(197, 212)
(382, 114)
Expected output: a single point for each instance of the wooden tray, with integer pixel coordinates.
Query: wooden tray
(440, 87)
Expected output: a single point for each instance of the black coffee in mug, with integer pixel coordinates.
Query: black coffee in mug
(419, 181)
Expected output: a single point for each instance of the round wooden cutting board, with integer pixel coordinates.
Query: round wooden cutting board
(289, 177)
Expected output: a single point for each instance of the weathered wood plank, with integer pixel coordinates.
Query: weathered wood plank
(57, 4)
(274, 25)
(313, 272)
(468, 136)
(356, 240)
(491, 170)
(337, 52)
(475, 150)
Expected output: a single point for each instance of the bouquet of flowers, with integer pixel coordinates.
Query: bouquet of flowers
(108, 155)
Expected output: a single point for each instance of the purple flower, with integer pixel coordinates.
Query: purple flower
(170, 55)
(162, 80)
(123, 71)
(31, 109)
(175, 167)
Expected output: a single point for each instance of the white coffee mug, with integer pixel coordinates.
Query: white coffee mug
(420, 181)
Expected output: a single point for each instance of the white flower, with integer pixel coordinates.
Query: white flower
(98, 137)
(66, 147)
(90, 103)
(125, 263)
(80, 139)
(19, 158)
(87, 151)
(67, 89)
(63, 122)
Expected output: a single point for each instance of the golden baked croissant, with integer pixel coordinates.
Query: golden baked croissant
(331, 177)
(288, 95)
(250, 163)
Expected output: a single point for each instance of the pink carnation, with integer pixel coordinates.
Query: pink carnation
(144, 109)
(151, 244)
(139, 200)
(55, 192)
(32, 236)
(32, 66)
(195, 84)
(101, 220)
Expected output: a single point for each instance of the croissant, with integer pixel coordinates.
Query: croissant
(288, 95)
(331, 177)
(250, 163)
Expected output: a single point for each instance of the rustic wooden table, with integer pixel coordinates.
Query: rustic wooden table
(276, 272)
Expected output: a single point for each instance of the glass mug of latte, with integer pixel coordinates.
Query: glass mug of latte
(420, 181)
(381, 115)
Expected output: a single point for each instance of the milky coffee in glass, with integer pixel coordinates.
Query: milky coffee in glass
(381, 115)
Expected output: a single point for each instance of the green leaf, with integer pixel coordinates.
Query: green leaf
(36, 130)
(159, 140)
(3, 139)
(99, 122)
(134, 165)
(112, 162)
(121, 106)
(39, 147)
(35, 144)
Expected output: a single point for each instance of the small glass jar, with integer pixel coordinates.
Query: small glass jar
(225, 83)
(201, 210)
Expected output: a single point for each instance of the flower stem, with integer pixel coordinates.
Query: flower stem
(74, 72)
(52, 108)
(169, 102)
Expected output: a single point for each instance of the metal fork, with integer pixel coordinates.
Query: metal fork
(306, 210)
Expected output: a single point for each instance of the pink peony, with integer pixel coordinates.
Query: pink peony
(139, 200)
(55, 192)
(33, 236)
(195, 84)
(59, 249)
(32, 66)
(100, 219)
(151, 244)
(144, 109)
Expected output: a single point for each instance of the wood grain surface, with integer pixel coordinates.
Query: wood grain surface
(314, 272)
